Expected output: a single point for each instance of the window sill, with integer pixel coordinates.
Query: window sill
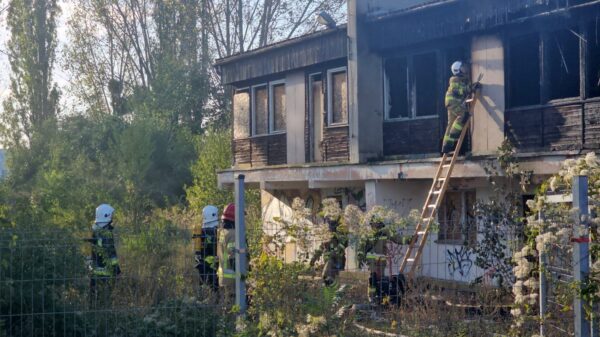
(336, 126)
(396, 120)
(262, 136)
(555, 103)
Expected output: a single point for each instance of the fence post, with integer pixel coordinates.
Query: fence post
(543, 286)
(581, 252)
(240, 245)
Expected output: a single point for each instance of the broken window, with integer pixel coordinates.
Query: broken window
(426, 80)
(278, 106)
(338, 97)
(563, 64)
(593, 60)
(260, 110)
(396, 76)
(241, 114)
(524, 70)
(456, 218)
(411, 85)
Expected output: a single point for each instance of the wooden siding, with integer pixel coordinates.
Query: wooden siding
(468, 16)
(289, 55)
(554, 128)
(335, 146)
(419, 136)
(260, 151)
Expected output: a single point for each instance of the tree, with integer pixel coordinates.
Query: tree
(31, 49)
(239, 25)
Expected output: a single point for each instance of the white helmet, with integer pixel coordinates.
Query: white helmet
(210, 216)
(457, 68)
(104, 214)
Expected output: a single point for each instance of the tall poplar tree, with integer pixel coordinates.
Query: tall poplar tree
(31, 49)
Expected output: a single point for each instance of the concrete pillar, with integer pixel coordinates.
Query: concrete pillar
(365, 88)
(295, 113)
(487, 54)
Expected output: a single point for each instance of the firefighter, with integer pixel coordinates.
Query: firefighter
(333, 252)
(205, 246)
(104, 261)
(226, 251)
(459, 89)
(374, 250)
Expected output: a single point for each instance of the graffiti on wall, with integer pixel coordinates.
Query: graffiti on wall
(402, 206)
(459, 261)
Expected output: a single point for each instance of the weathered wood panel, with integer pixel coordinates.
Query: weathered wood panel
(281, 57)
(562, 129)
(260, 151)
(242, 154)
(335, 147)
(551, 128)
(524, 128)
(592, 125)
(431, 23)
(419, 136)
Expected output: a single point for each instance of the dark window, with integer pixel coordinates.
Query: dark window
(594, 58)
(396, 72)
(261, 111)
(563, 64)
(524, 70)
(426, 77)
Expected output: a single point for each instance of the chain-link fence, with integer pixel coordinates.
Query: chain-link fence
(48, 289)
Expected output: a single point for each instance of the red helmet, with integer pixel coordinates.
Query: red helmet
(229, 213)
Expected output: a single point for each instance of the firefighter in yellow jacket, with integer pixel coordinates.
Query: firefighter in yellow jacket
(104, 262)
(226, 251)
(459, 89)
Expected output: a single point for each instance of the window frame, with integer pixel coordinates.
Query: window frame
(271, 107)
(311, 113)
(253, 108)
(412, 104)
(465, 238)
(250, 122)
(330, 73)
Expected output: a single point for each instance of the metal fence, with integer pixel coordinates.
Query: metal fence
(46, 288)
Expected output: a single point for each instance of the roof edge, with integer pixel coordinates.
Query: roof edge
(277, 45)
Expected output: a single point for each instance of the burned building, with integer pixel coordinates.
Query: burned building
(357, 112)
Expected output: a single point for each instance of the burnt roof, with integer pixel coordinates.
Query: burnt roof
(295, 53)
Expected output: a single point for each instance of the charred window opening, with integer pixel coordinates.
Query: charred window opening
(524, 70)
(396, 76)
(456, 218)
(337, 96)
(260, 111)
(593, 44)
(278, 111)
(241, 114)
(563, 64)
(411, 86)
(426, 88)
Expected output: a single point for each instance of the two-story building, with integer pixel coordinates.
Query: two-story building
(357, 112)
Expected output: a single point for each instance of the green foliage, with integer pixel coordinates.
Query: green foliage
(33, 99)
(214, 154)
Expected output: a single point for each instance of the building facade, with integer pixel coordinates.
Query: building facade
(357, 112)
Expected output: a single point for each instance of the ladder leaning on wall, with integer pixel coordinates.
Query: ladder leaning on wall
(412, 257)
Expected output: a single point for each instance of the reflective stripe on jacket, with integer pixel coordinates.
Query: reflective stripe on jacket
(459, 88)
(104, 255)
(226, 253)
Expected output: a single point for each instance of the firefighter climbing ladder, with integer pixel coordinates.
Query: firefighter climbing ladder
(410, 262)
